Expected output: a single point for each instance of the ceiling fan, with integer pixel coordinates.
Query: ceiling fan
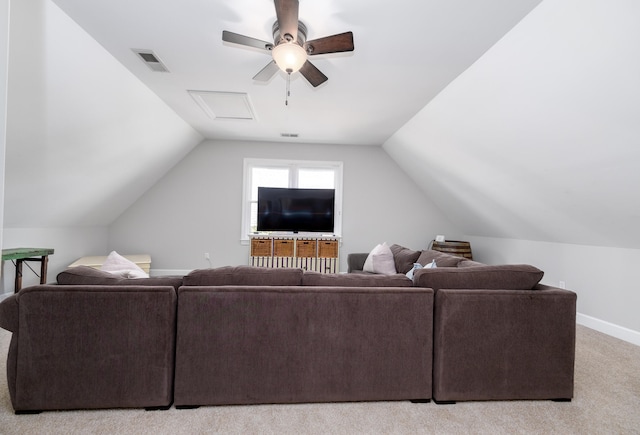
(290, 49)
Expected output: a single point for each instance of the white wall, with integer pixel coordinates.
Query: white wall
(196, 207)
(605, 279)
(4, 67)
(69, 244)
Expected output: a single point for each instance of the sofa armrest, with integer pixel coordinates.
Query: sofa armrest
(105, 347)
(9, 313)
(504, 344)
(355, 261)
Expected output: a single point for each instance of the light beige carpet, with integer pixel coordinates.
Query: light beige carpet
(607, 401)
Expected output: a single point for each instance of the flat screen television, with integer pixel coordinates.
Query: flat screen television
(296, 210)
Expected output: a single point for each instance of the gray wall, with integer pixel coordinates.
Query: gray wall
(69, 244)
(196, 207)
(4, 48)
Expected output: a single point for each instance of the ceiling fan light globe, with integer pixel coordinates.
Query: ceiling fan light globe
(289, 56)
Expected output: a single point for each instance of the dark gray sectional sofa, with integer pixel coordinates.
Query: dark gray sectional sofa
(246, 335)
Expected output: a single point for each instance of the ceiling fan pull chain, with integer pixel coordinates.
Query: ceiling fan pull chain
(286, 100)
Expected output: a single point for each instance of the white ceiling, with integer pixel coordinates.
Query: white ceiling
(406, 52)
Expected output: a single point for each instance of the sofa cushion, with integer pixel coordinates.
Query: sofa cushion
(501, 277)
(85, 275)
(380, 260)
(442, 259)
(404, 258)
(311, 278)
(244, 275)
(469, 263)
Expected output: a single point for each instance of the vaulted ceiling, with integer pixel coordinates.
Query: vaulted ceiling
(406, 52)
(518, 118)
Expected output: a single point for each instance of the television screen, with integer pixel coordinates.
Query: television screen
(296, 210)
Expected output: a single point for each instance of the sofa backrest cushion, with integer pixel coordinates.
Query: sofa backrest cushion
(501, 277)
(469, 263)
(311, 278)
(86, 275)
(442, 259)
(404, 258)
(244, 275)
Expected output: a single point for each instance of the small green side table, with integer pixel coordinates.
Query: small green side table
(21, 255)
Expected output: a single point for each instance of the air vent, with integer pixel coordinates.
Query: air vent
(151, 60)
(224, 105)
(289, 134)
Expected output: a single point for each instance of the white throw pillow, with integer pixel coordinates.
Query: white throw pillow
(431, 265)
(380, 260)
(415, 267)
(118, 265)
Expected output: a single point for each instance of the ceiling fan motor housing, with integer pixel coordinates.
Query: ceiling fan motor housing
(278, 38)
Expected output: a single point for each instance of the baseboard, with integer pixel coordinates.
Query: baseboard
(611, 329)
(164, 272)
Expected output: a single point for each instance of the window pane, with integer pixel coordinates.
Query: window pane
(309, 178)
(253, 226)
(268, 177)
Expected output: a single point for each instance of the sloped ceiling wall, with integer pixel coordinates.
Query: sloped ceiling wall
(85, 138)
(540, 138)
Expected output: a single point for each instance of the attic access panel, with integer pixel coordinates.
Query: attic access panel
(224, 105)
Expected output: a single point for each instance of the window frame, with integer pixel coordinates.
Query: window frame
(293, 166)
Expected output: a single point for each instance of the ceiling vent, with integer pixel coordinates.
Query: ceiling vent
(151, 60)
(224, 105)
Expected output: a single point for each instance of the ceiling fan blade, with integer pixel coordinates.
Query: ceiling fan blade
(287, 13)
(312, 74)
(267, 72)
(330, 44)
(236, 38)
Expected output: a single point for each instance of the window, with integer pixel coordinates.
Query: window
(287, 173)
